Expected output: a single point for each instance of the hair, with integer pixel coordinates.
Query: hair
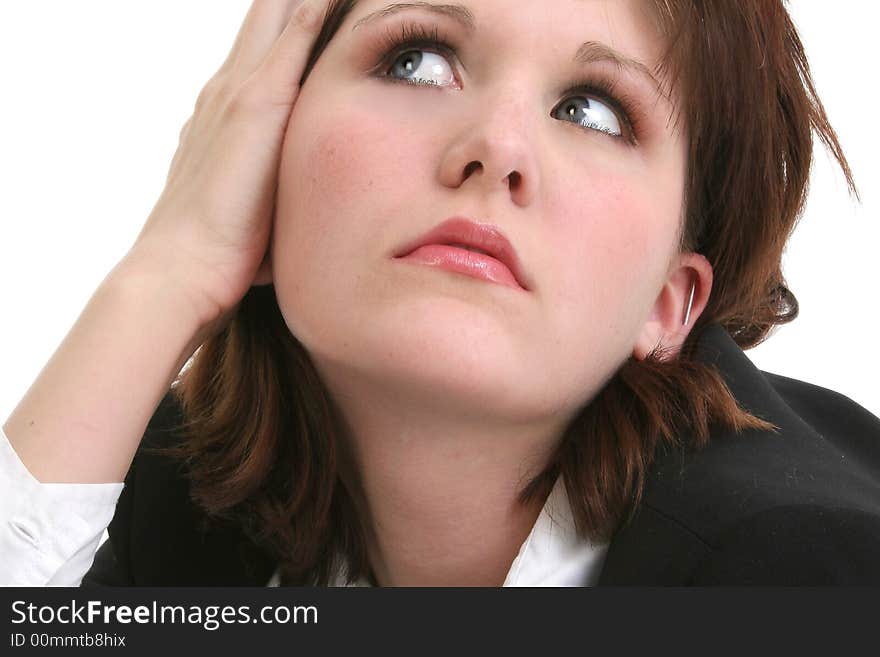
(262, 438)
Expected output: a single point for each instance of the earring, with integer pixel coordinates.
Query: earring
(687, 314)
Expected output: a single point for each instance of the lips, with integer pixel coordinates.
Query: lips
(471, 236)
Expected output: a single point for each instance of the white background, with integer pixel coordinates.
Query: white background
(96, 91)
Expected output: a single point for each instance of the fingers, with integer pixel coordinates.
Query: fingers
(265, 20)
(277, 78)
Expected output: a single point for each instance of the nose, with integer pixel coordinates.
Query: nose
(493, 154)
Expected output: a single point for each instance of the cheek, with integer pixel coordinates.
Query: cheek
(347, 169)
(345, 191)
(354, 164)
(328, 165)
(619, 232)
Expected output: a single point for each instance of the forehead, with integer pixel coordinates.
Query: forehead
(627, 21)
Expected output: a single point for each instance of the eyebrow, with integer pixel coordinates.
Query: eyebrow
(588, 53)
(596, 51)
(460, 13)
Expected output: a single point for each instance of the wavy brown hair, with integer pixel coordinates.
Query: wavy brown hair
(262, 439)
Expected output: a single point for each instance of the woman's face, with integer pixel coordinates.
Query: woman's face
(369, 164)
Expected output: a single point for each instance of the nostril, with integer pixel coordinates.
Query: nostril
(469, 169)
(514, 178)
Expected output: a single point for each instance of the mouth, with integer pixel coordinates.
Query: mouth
(466, 247)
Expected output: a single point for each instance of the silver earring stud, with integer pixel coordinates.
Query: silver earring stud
(687, 314)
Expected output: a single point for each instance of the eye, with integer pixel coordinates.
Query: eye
(590, 113)
(418, 55)
(597, 104)
(422, 67)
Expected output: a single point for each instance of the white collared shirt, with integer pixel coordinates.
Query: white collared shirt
(49, 534)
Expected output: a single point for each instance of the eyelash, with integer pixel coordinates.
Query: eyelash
(415, 36)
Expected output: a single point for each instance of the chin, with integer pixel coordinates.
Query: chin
(452, 369)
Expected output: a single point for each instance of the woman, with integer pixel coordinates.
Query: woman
(374, 402)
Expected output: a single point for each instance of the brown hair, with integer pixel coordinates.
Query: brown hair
(261, 435)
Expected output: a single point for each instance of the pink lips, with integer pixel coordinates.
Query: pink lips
(443, 247)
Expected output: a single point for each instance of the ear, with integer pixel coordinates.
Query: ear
(665, 326)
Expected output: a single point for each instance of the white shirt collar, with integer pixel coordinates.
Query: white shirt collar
(551, 555)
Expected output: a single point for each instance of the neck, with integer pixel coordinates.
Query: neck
(437, 491)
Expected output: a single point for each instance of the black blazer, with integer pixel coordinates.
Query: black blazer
(801, 506)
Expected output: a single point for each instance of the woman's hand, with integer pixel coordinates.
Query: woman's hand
(209, 231)
(197, 255)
